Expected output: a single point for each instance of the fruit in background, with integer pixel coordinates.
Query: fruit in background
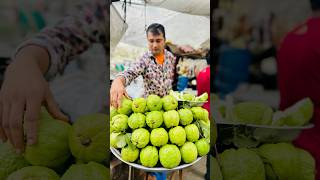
(88, 171)
(159, 137)
(202, 98)
(126, 106)
(149, 156)
(177, 135)
(117, 140)
(139, 105)
(169, 156)
(252, 113)
(52, 148)
(171, 118)
(113, 112)
(140, 137)
(296, 115)
(154, 103)
(188, 97)
(154, 119)
(130, 153)
(34, 172)
(10, 160)
(192, 132)
(203, 147)
(241, 164)
(214, 167)
(137, 120)
(186, 116)
(169, 103)
(119, 123)
(87, 138)
(189, 152)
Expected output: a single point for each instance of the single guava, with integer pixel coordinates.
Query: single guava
(177, 135)
(52, 147)
(188, 97)
(169, 156)
(126, 106)
(10, 161)
(87, 138)
(117, 140)
(140, 137)
(203, 147)
(130, 153)
(34, 172)
(203, 97)
(113, 112)
(154, 103)
(137, 120)
(119, 123)
(169, 103)
(139, 105)
(171, 118)
(89, 171)
(192, 132)
(149, 156)
(159, 137)
(154, 119)
(189, 152)
(198, 113)
(186, 116)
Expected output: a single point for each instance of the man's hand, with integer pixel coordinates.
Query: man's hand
(23, 92)
(117, 91)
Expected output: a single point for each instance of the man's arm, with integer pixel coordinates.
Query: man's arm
(71, 36)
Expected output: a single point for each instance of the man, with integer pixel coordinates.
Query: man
(299, 77)
(157, 66)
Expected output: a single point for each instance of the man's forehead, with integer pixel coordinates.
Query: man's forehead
(155, 36)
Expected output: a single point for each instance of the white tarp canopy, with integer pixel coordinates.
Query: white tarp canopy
(181, 28)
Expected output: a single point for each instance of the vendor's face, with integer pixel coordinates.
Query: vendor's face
(156, 43)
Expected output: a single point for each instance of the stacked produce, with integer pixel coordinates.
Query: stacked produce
(258, 113)
(268, 162)
(158, 132)
(65, 151)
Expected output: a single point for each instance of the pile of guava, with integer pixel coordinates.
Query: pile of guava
(158, 132)
(63, 150)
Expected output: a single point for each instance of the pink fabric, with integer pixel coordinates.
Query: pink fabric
(203, 85)
(299, 77)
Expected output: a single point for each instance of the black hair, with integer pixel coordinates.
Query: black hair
(315, 4)
(156, 29)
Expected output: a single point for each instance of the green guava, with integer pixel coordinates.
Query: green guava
(89, 171)
(129, 153)
(10, 161)
(186, 116)
(87, 138)
(126, 106)
(189, 152)
(149, 156)
(140, 137)
(113, 112)
(154, 103)
(117, 140)
(34, 172)
(139, 105)
(169, 103)
(203, 147)
(192, 132)
(154, 119)
(137, 120)
(159, 137)
(202, 98)
(177, 135)
(198, 113)
(169, 156)
(119, 123)
(188, 97)
(52, 148)
(171, 118)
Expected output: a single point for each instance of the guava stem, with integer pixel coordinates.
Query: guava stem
(86, 142)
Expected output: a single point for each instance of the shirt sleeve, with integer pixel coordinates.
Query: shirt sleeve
(73, 35)
(138, 68)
